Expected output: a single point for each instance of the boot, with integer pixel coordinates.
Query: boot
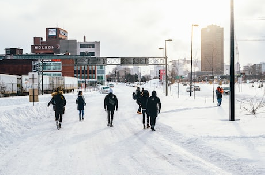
(148, 126)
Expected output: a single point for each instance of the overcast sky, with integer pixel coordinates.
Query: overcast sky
(136, 27)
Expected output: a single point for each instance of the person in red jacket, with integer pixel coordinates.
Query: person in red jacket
(219, 92)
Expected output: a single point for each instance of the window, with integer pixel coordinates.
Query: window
(100, 71)
(55, 66)
(87, 53)
(87, 45)
(100, 77)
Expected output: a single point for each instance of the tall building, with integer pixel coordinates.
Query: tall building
(212, 50)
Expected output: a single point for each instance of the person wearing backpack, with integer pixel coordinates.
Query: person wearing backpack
(80, 101)
(58, 101)
(110, 104)
(143, 102)
(137, 97)
(153, 107)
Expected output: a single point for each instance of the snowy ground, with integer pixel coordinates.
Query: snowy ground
(193, 136)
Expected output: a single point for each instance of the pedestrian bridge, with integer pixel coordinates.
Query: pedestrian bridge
(88, 60)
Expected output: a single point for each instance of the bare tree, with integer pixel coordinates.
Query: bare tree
(252, 105)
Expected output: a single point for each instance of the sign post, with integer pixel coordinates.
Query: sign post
(33, 91)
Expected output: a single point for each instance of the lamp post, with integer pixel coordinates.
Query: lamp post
(161, 48)
(166, 65)
(232, 64)
(191, 56)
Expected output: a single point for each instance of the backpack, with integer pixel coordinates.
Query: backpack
(112, 101)
(134, 96)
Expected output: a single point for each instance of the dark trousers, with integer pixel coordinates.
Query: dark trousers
(110, 116)
(58, 116)
(139, 108)
(219, 100)
(152, 120)
(147, 116)
(81, 114)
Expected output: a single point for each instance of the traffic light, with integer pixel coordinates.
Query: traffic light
(160, 75)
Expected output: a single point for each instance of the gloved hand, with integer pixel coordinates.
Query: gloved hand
(48, 104)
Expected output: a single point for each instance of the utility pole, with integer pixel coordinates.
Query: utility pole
(232, 64)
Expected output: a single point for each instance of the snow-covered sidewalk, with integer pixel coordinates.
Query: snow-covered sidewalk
(193, 136)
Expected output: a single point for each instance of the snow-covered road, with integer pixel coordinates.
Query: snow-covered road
(91, 148)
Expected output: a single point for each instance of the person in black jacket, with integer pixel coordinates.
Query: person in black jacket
(110, 103)
(80, 101)
(143, 101)
(138, 100)
(58, 101)
(153, 108)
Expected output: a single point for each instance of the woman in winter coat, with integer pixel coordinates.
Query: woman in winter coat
(58, 101)
(80, 101)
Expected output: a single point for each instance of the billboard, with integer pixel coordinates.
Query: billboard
(52, 32)
(63, 34)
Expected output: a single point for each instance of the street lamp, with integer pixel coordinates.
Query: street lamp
(161, 48)
(166, 64)
(195, 25)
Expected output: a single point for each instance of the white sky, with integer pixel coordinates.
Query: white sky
(135, 27)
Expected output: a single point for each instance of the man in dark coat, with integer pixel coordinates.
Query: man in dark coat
(80, 101)
(143, 102)
(58, 101)
(110, 103)
(153, 108)
(138, 100)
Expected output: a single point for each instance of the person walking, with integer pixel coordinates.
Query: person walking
(58, 101)
(219, 92)
(80, 101)
(110, 103)
(153, 107)
(143, 102)
(138, 100)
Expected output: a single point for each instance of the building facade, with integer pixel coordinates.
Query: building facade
(57, 43)
(212, 49)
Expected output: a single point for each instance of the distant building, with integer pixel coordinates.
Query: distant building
(15, 67)
(57, 43)
(212, 49)
(14, 51)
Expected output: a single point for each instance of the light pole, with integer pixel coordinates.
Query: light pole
(166, 65)
(161, 48)
(191, 56)
(232, 64)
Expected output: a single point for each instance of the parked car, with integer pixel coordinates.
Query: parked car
(197, 88)
(188, 89)
(226, 90)
(105, 89)
(111, 85)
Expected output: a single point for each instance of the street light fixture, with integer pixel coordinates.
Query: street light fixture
(166, 65)
(195, 25)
